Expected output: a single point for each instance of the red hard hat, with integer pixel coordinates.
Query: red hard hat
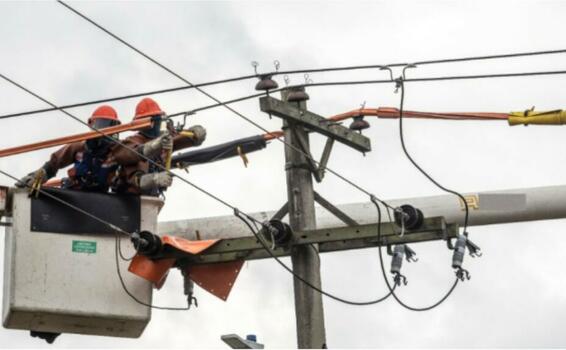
(146, 108)
(104, 112)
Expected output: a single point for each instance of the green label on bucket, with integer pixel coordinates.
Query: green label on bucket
(84, 247)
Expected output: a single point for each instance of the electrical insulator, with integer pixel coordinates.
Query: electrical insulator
(277, 232)
(266, 83)
(146, 243)
(297, 95)
(409, 216)
(359, 124)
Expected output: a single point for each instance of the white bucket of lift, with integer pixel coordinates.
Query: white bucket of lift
(68, 283)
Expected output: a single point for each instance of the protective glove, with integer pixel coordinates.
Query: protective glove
(36, 178)
(155, 181)
(154, 147)
(199, 134)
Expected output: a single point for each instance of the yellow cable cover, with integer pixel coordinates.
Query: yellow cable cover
(556, 117)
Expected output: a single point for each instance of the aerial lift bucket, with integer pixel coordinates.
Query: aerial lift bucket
(60, 271)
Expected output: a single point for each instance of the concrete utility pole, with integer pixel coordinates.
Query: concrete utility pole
(306, 263)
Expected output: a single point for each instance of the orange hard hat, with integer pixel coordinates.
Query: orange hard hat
(104, 112)
(147, 108)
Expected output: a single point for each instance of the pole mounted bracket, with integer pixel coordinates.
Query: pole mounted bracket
(314, 122)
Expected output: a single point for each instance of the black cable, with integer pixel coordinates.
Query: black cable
(401, 107)
(169, 308)
(295, 275)
(436, 61)
(119, 98)
(251, 76)
(392, 289)
(369, 82)
(122, 254)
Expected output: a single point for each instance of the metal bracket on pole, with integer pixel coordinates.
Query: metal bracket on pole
(328, 240)
(325, 157)
(304, 147)
(337, 212)
(314, 122)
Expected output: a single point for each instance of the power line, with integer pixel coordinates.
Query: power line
(419, 168)
(372, 82)
(248, 97)
(296, 71)
(215, 100)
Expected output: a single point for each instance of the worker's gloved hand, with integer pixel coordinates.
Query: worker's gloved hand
(154, 147)
(155, 180)
(36, 177)
(199, 134)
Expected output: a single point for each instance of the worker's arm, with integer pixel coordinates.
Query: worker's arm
(61, 158)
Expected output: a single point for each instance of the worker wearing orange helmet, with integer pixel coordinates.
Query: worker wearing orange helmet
(137, 175)
(93, 167)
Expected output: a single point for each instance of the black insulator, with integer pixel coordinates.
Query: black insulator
(412, 217)
(359, 124)
(147, 243)
(297, 96)
(265, 83)
(278, 232)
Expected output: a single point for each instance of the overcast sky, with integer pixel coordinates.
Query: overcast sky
(516, 295)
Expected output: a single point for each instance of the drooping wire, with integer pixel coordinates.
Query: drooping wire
(119, 273)
(384, 273)
(245, 219)
(401, 85)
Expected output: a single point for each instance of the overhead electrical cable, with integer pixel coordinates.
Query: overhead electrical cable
(256, 95)
(371, 82)
(218, 101)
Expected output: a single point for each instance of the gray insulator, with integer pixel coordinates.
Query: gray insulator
(459, 251)
(397, 260)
